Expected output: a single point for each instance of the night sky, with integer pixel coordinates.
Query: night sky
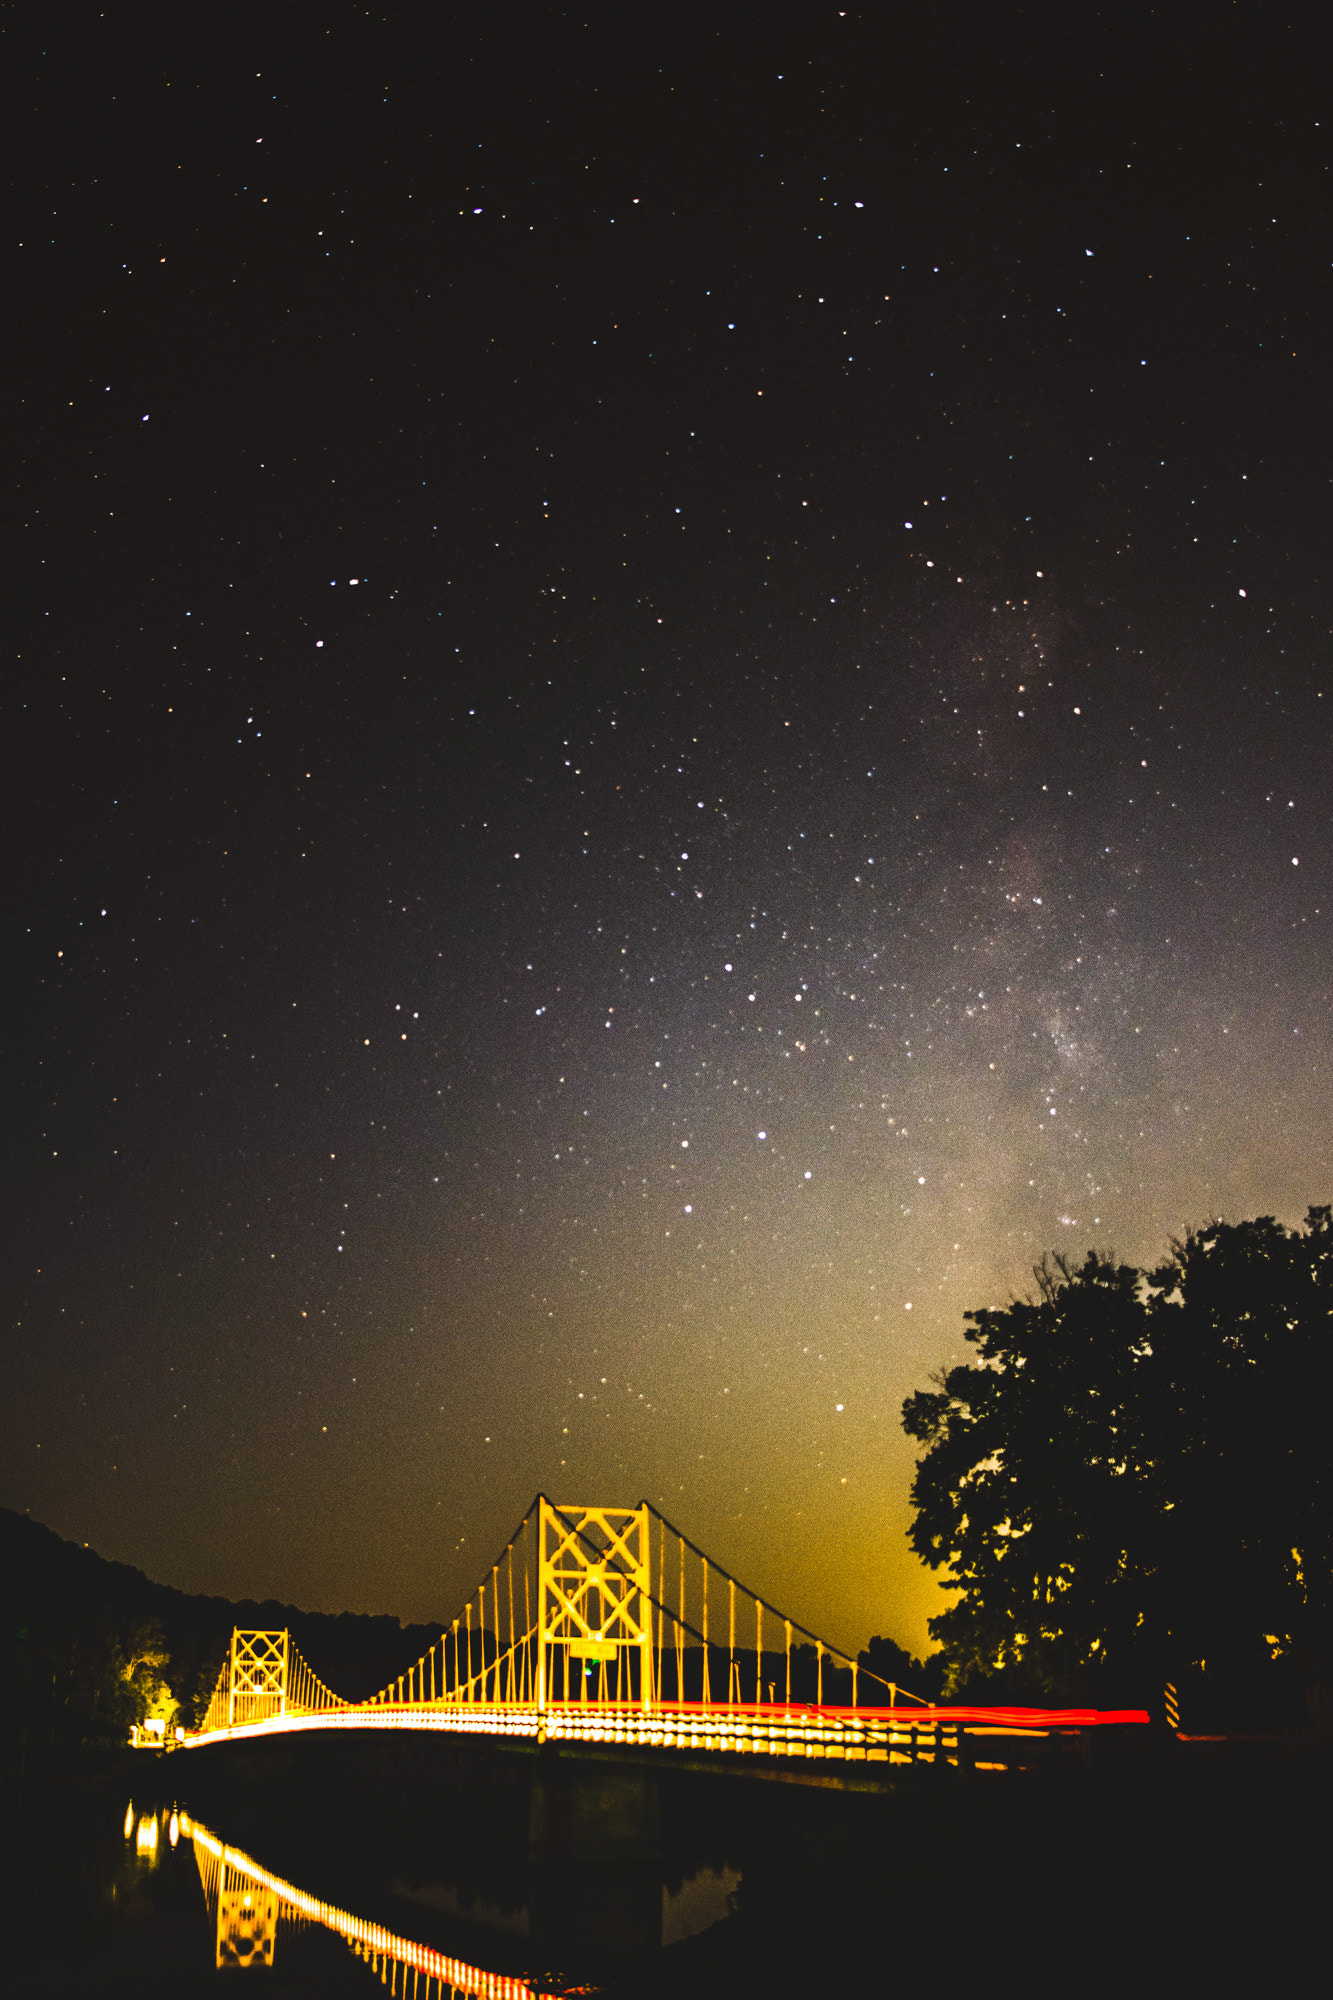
(669, 707)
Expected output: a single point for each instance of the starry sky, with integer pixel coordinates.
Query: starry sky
(669, 708)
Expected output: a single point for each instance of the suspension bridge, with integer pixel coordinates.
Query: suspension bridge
(609, 1625)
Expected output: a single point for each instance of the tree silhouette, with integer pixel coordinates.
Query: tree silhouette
(891, 1665)
(1135, 1478)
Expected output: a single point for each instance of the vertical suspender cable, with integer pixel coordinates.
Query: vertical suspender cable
(733, 1691)
(707, 1687)
(680, 1629)
(513, 1636)
(491, 1680)
(788, 1625)
(758, 1648)
(661, 1599)
(527, 1614)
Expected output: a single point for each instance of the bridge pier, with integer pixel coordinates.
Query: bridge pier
(594, 1861)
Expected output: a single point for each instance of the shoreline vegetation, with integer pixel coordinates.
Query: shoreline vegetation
(1132, 1485)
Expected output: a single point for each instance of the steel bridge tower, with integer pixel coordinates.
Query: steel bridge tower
(257, 1676)
(593, 1600)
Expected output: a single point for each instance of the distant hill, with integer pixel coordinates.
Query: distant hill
(67, 1615)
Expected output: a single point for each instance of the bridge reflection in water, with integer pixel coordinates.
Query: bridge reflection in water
(246, 1902)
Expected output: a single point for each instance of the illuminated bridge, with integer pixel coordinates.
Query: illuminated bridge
(608, 1625)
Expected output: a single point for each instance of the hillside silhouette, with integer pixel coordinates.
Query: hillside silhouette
(88, 1647)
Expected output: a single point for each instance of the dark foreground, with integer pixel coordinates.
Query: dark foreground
(1165, 1866)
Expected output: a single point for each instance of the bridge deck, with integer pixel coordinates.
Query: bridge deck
(775, 1730)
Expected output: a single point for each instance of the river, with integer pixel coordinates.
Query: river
(437, 1866)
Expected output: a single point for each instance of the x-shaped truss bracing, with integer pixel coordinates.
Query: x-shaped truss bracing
(258, 1676)
(593, 1588)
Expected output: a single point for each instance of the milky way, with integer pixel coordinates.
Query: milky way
(671, 714)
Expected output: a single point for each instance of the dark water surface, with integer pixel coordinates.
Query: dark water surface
(361, 1864)
(417, 1867)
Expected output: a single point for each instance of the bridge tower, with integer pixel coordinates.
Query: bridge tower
(593, 1602)
(257, 1676)
(247, 1927)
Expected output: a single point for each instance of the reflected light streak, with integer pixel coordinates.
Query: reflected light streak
(366, 1939)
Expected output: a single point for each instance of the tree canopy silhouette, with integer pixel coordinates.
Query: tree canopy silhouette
(1135, 1477)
